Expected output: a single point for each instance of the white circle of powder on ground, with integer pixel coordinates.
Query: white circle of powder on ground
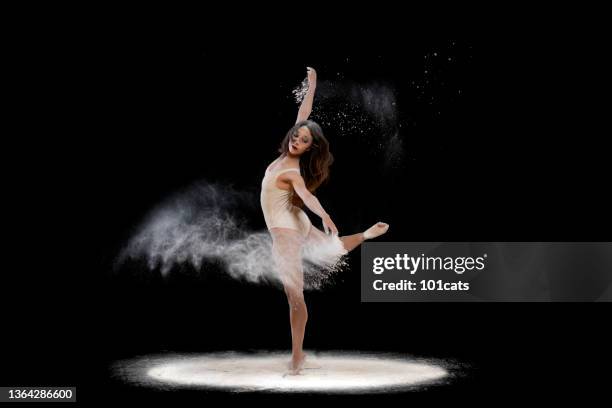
(324, 372)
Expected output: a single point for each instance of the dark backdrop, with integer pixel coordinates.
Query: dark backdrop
(498, 154)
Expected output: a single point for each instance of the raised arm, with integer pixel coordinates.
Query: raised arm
(311, 201)
(306, 106)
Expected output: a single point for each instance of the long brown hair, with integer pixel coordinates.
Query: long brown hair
(315, 162)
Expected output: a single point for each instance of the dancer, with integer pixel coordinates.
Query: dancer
(288, 185)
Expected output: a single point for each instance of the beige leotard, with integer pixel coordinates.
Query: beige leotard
(277, 207)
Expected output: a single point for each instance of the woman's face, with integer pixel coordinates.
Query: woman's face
(300, 141)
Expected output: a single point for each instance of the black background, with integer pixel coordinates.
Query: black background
(131, 117)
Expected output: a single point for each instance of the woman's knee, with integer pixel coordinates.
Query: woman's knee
(296, 299)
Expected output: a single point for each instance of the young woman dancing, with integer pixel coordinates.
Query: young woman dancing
(288, 185)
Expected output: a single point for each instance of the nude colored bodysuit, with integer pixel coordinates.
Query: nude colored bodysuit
(277, 207)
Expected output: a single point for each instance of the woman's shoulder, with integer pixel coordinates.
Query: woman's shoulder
(272, 166)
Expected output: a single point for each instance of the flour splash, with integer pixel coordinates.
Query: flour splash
(202, 224)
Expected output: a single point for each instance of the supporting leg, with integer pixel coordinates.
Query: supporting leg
(286, 251)
(298, 316)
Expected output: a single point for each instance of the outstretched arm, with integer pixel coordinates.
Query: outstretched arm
(311, 202)
(306, 106)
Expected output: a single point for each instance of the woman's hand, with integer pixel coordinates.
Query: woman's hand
(312, 76)
(328, 225)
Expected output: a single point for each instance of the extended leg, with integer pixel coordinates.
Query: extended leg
(351, 242)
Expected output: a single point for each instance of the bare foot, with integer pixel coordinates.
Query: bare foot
(296, 364)
(376, 230)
